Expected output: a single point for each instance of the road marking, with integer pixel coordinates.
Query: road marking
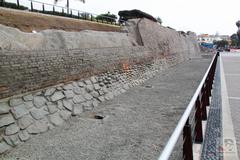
(232, 74)
(236, 98)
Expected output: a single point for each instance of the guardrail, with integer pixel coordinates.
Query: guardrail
(46, 8)
(190, 124)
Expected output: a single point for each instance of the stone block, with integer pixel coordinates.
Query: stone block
(55, 119)
(4, 147)
(15, 102)
(6, 120)
(77, 109)
(11, 129)
(68, 94)
(40, 126)
(28, 97)
(39, 101)
(19, 111)
(68, 105)
(23, 135)
(57, 96)
(4, 108)
(78, 99)
(38, 113)
(49, 91)
(25, 121)
(96, 87)
(88, 96)
(12, 140)
(52, 108)
(65, 115)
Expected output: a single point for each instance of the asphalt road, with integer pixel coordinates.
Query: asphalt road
(136, 126)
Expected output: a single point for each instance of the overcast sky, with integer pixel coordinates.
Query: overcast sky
(200, 16)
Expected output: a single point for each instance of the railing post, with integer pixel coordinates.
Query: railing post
(62, 11)
(78, 15)
(204, 102)
(43, 8)
(53, 10)
(1, 2)
(187, 142)
(91, 17)
(198, 122)
(18, 3)
(71, 13)
(31, 6)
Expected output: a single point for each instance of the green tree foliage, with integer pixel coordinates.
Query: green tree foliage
(234, 40)
(159, 20)
(221, 44)
(108, 17)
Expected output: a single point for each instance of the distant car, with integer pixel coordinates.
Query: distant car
(220, 50)
(227, 49)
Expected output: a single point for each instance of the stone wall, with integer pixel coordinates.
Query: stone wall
(23, 116)
(23, 71)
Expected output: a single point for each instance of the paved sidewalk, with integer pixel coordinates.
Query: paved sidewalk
(231, 78)
(136, 126)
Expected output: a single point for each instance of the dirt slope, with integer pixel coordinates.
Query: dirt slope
(28, 21)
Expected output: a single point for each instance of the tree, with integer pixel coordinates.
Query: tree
(55, 1)
(234, 40)
(221, 44)
(159, 20)
(107, 17)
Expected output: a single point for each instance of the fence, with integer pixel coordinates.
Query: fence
(190, 124)
(46, 8)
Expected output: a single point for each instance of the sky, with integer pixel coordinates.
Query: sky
(199, 16)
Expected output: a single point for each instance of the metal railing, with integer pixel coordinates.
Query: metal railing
(46, 8)
(192, 129)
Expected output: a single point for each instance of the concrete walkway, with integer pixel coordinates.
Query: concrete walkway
(136, 126)
(230, 79)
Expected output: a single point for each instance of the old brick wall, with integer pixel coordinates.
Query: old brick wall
(22, 71)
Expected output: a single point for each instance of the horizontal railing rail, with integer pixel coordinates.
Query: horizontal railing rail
(63, 11)
(192, 128)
